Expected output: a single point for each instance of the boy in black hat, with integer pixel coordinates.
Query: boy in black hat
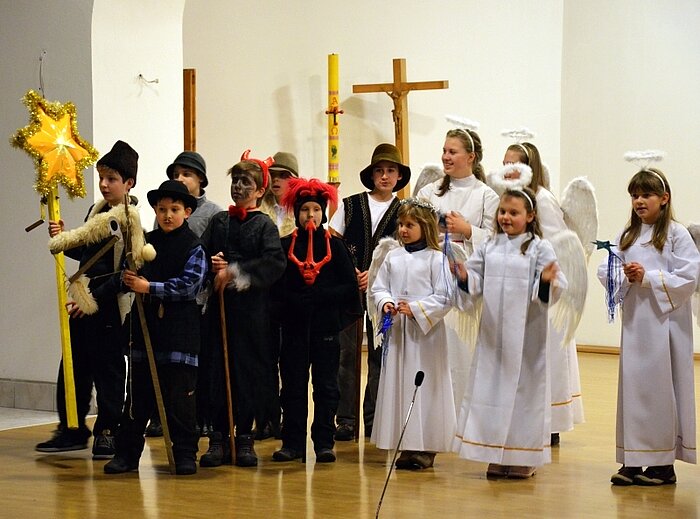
(97, 340)
(319, 297)
(190, 168)
(362, 220)
(170, 284)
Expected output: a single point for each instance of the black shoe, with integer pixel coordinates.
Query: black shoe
(185, 467)
(65, 439)
(119, 465)
(554, 439)
(659, 475)
(206, 430)
(286, 454)
(154, 429)
(626, 476)
(325, 456)
(344, 432)
(103, 446)
(404, 460)
(245, 451)
(219, 451)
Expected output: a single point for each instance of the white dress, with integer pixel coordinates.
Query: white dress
(478, 204)
(505, 416)
(567, 403)
(656, 391)
(414, 344)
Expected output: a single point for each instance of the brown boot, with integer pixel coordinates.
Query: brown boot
(245, 451)
(520, 472)
(422, 460)
(497, 471)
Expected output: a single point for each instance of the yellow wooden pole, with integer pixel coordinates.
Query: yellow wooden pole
(71, 407)
(333, 122)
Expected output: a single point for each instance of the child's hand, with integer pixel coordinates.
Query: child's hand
(55, 227)
(223, 278)
(138, 284)
(389, 308)
(549, 273)
(634, 272)
(218, 262)
(362, 279)
(74, 311)
(404, 309)
(459, 271)
(455, 223)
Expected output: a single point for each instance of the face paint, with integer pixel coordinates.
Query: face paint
(243, 189)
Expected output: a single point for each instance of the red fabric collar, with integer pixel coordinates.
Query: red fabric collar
(237, 212)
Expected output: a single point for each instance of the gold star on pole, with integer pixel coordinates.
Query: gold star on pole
(53, 142)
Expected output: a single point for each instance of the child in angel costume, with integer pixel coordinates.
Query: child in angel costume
(505, 414)
(571, 229)
(467, 208)
(411, 285)
(318, 297)
(652, 277)
(247, 259)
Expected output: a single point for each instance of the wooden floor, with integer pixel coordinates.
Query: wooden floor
(576, 484)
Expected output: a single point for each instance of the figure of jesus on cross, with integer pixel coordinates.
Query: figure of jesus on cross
(398, 91)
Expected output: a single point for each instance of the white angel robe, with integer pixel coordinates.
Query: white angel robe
(505, 416)
(567, 403)
(656, 391)
(414, 344)
(478, 204)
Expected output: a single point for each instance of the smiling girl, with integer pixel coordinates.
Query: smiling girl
(656, 399)
(505, 415)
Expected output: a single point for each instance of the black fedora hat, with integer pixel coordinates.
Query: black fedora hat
(175, 190)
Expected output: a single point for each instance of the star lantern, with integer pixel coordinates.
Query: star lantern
(52, 140)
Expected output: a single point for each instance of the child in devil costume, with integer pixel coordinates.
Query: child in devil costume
(247, 258)
(319, 297)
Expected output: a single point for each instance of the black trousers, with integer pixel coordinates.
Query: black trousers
(177, 384)
(346, 376)
(299, 352)
(97, 354)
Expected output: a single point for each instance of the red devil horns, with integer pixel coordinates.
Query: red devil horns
(264, 165)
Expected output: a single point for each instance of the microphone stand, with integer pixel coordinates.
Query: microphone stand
(418, 381)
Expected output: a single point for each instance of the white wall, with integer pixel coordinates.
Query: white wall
(630, 77)
(262, 77)
(93, 59)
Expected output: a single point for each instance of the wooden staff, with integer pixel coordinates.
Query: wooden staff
(149, 346)
(227, 372)
(358, 375)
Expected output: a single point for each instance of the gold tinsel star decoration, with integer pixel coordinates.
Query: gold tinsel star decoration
(52, 140)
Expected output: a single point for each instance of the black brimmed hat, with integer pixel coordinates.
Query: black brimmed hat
(191, 160)
(175, 190)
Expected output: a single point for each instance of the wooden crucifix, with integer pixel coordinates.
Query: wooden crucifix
(398, 91)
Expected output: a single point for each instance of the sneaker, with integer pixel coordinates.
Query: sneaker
(625, 476)
(119, 465)
(659, 475)
(286, 454)
(154, 429)
(421, 460)
(325, 456)
(521, 472)
(64, 440)
(554, 439)
(404, 460)
(495, 470)
(103, 446)
(344, 432)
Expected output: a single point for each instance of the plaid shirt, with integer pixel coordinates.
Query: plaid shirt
(187, 286)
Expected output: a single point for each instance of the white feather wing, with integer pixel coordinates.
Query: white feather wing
(383, 248)
(429, 174)
(567, 311)
(694, 230)
(580, 209)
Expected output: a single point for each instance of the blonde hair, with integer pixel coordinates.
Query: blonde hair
(649, 180)
(425, 215)
(472, 144)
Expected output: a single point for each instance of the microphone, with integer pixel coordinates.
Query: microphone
(417, 382)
